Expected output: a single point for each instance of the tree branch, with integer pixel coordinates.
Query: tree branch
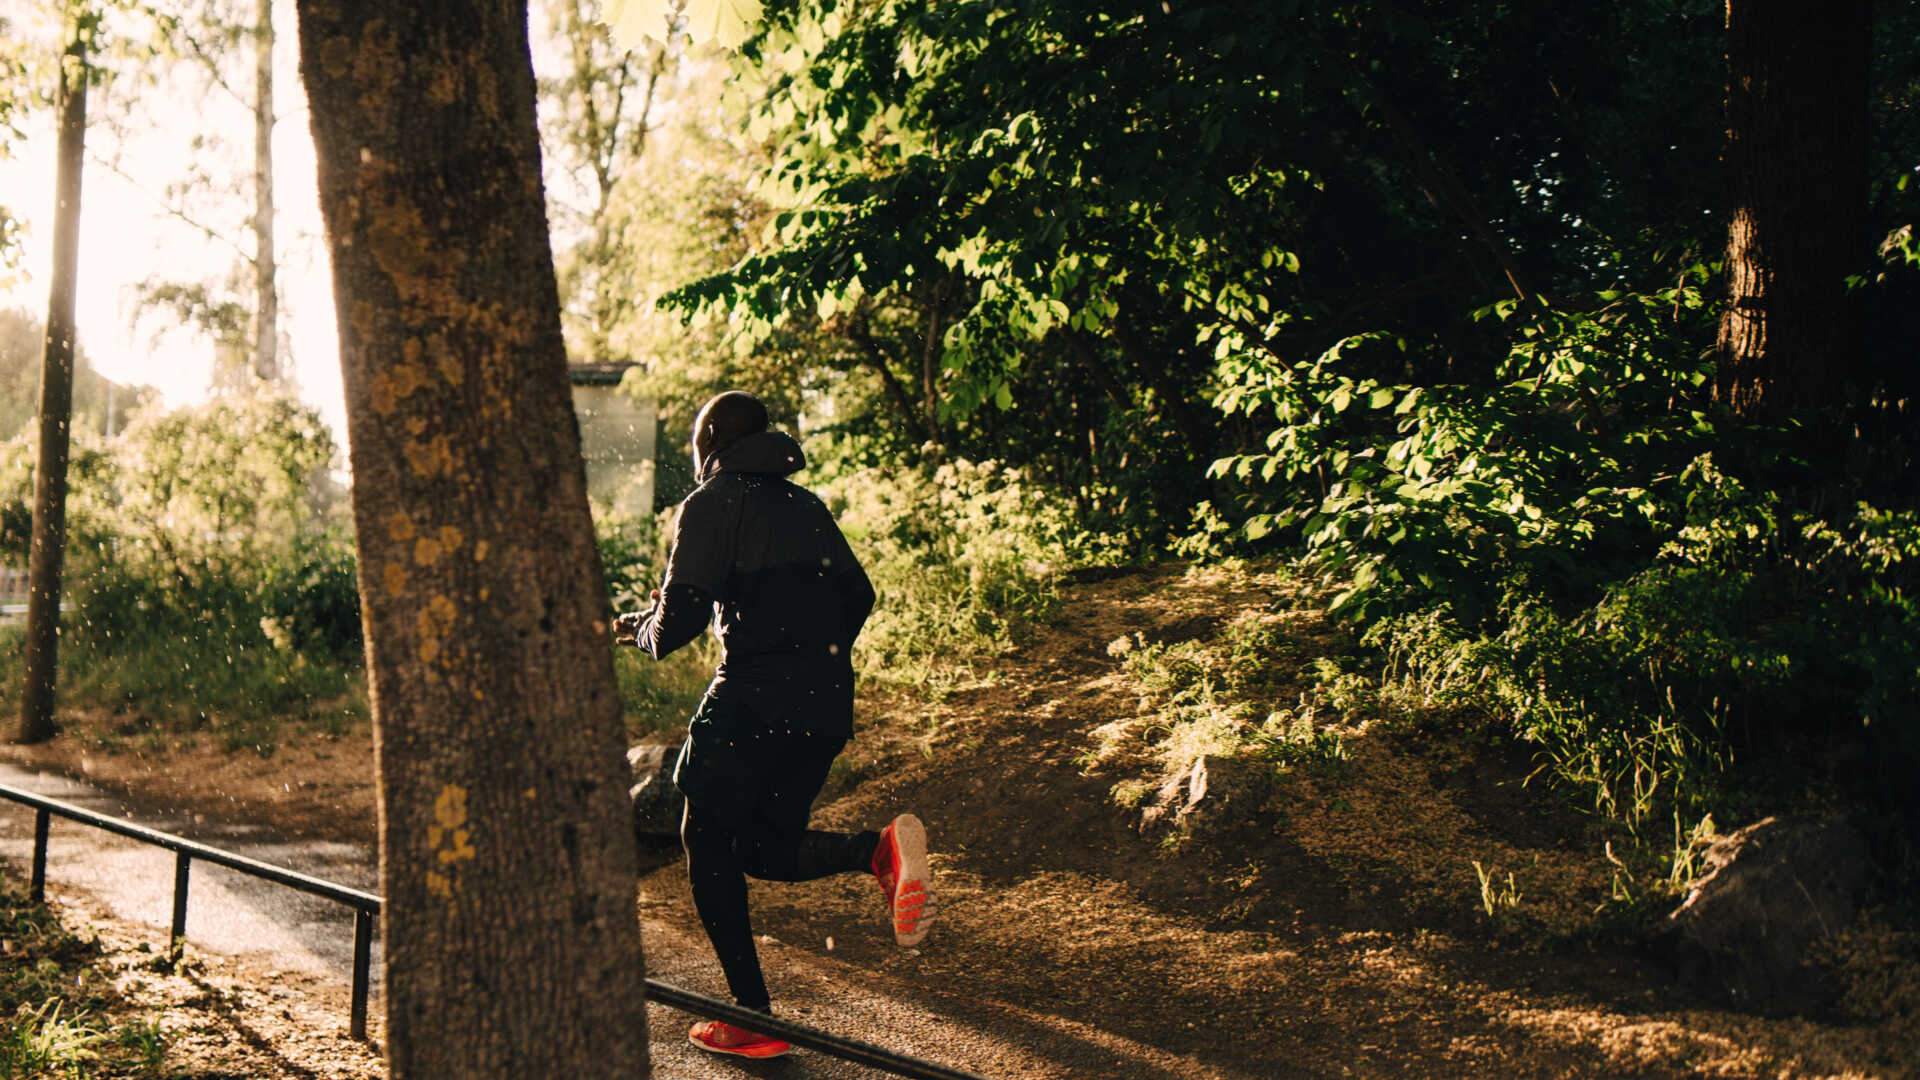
(173, 211)
(857, 330)
(1444, 189)
(1090, 362)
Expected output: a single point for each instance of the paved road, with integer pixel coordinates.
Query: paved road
(236, 914)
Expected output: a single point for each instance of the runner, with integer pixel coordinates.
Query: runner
(762, 559)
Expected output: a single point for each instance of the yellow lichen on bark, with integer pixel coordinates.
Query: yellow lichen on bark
(448, 836)
(336, 56)
(431, 625)
(394, 579)
(443, 84)
(432, 457)
(428, 550)
(377, 65)
(394, 385)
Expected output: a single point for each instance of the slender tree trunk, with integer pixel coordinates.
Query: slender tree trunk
(1796, 167)
(266, 309)
(932, 351)
(860, 332)
(49, 544)
(507, 854)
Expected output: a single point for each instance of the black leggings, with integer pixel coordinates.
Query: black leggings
(758, 829)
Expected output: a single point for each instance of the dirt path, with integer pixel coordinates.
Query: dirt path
(1332, 930)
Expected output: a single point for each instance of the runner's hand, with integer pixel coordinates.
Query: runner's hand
(626, 628)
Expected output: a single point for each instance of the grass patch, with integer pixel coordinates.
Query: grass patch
(60, 1016)
(248, 694)
(1248, 690)
(658, 696)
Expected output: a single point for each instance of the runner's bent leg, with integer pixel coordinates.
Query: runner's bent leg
(776, 844)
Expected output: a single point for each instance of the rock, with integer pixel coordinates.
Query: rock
(657, 803)
(1768, 892)
(1209, 791)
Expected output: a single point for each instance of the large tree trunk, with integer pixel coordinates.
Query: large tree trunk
(49, 545)
(1796, 165)
(507, 855)
(266, 290)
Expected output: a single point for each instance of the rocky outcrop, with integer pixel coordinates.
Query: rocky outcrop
(1211, 791)
(1768, 892)
(657, 803)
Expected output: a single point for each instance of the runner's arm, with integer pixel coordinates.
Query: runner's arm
(698, 566)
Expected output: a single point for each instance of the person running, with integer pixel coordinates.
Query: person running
(762, 559)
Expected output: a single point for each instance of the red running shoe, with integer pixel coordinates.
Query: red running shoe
(900, 862)
(720, 1037)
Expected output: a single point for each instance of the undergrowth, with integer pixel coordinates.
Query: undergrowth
(60, 1018)
(1674, 609)
(1259, 689)
(965, 557)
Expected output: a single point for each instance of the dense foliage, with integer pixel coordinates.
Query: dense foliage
(1425, 293)
(209, 577)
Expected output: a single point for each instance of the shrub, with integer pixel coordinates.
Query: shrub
(963, 554)
(1757, 630)
(1582, 545)
(1559, 468)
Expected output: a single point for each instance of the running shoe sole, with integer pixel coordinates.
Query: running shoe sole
(913, 896)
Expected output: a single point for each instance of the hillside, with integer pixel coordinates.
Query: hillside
(1317, 912)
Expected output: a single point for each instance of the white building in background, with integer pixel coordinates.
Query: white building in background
(617, 436)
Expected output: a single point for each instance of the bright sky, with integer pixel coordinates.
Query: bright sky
(126, 237)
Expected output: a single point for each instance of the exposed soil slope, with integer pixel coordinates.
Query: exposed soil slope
(1327, 923)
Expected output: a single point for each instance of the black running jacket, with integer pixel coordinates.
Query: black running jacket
(762, 559)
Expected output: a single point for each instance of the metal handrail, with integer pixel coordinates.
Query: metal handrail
(366, 905)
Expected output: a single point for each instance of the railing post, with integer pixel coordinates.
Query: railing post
(37, 891)
(181, 861)
(362, 965)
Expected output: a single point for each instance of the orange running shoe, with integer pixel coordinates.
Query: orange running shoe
(720, 1037)
(900, 862)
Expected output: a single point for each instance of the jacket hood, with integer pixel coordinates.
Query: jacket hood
(773, 453)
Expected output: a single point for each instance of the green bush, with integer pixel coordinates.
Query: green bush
(203, 583)
(1583, 546)
(962, 554)
(1560, 468)
(1757, 632)
(308, 596)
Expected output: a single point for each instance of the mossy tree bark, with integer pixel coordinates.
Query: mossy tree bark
(47, 555)
(507, 856)
(1796, 172)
